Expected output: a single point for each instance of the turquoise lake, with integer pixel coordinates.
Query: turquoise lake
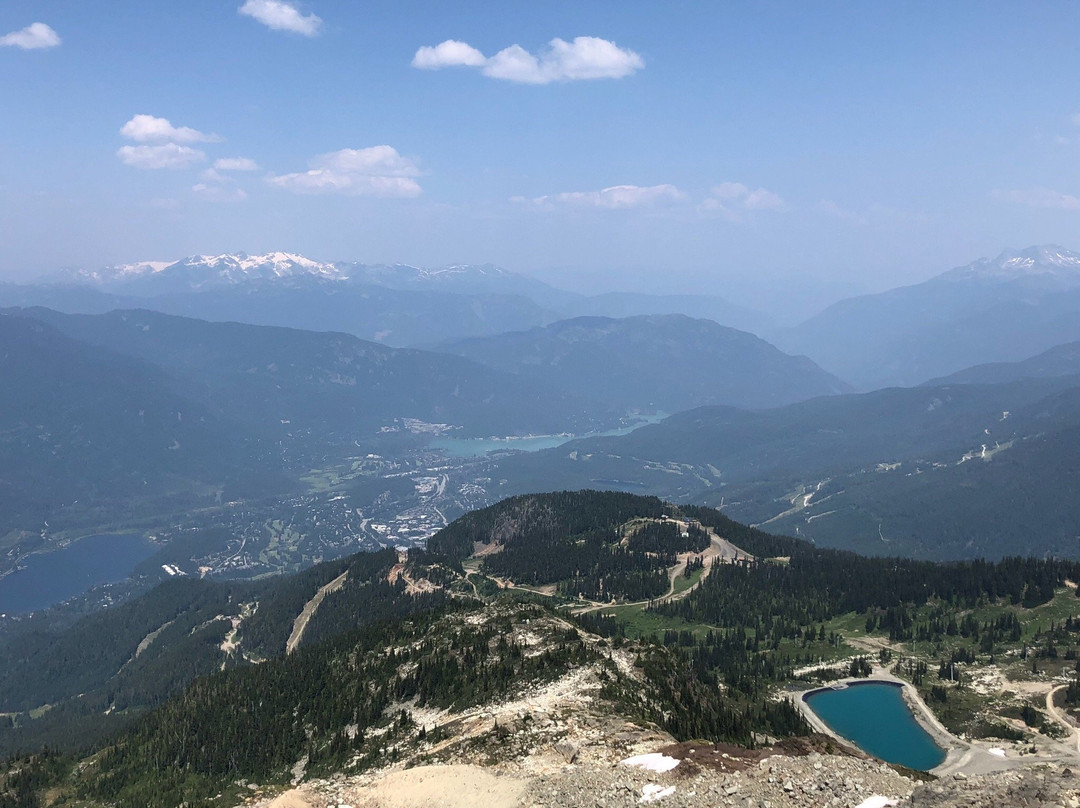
(478, 447)
(874, 717)
(50, 578)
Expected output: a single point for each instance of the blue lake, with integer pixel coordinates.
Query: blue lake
(478, 447)
(874, 716)
(50, 578)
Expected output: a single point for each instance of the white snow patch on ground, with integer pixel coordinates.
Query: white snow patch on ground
(653, 792)
(876, 802)
(654, 762)
(998, 752)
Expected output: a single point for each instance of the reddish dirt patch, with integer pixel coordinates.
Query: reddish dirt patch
(728, 757)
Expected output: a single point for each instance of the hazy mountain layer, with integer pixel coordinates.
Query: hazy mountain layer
(1061, 360)
(288, 381)
(1003, 309)
(944, 472)
(666, 363)
(395, 304)
(77, 421)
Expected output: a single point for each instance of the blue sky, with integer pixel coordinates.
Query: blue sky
(754, 146)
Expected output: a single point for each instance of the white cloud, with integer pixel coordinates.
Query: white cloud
(281, 16)
(219, 193)
(236, 164)
(374, 171)
(33, 37)
(587, 57)
(762, 199)
(450, 53)
(149, 129)
(168, 155)
(617, 197)
(734, 196)
(1039, 198)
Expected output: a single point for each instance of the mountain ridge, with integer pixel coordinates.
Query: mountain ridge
(667, 362)
(992, 310)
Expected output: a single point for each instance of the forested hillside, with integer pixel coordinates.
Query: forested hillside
(383, 656)
(81, 422)
(946, 472)
(306, 385)
(653, 363)
(101, 670)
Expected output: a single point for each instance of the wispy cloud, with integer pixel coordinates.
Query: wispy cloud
(219, 193)
(235, 164)
(33, 37)
(167, 155)
(1038, 198)
(374, 171)
(837, 211)
(149, 129)
(281, 16)
(587, 57)
(734, 199)
(617, 197)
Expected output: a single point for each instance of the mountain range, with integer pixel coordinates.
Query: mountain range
(139, 412)
(146, 411)
(396, 304)
(992, 310)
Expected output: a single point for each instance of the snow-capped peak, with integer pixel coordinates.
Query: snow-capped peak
(241, 266)
(1048, 262)
(205, 272)
(201, 271)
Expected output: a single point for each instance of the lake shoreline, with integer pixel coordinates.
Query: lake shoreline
(70, 568)
(961, 757)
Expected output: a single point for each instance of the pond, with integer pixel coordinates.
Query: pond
(478, 447)
(875, 717)
(50, 578)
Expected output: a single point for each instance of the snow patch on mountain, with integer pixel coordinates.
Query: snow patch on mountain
(1047, 263)
(208, 271)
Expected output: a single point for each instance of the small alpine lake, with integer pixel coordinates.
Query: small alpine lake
(875, 717)
(45, 579)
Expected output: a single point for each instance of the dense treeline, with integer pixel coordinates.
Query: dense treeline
(546, 519)
(22, 780)
(107, 667)
(580, 540)
(689, 706)
(323, 702)
(843, 581)
(39, 668)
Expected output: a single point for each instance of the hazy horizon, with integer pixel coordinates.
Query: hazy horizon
(747, 152)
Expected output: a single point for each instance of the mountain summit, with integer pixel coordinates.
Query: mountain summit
(1001, 309)
(1048, 262)
(199, 272)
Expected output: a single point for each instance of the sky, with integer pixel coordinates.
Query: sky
(751, 149)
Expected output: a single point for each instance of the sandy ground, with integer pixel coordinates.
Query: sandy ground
(455, 786)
